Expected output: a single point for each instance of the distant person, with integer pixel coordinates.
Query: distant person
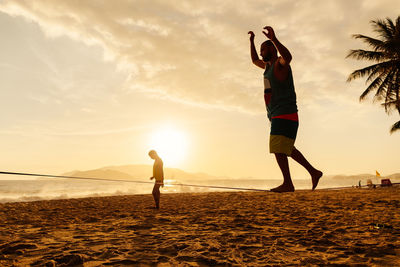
(280, 100)
(158, 175)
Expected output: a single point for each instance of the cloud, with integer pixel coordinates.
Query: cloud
(38, 129)
(197, 52)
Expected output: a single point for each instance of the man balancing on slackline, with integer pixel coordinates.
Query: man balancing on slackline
(158, 175)
(280, 100)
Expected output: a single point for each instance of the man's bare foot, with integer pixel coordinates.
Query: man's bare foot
(315, 178)
(283, 188)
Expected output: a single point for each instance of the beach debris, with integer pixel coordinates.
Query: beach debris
(380, 226)
(386, 182)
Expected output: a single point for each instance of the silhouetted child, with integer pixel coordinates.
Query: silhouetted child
(158, 175)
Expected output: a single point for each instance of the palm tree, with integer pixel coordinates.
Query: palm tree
(383, 76)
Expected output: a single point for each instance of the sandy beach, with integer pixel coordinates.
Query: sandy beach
(351, 227)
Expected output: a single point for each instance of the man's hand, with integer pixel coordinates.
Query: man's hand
(254, 56)
(270, 33)
(251, 36)
(151, 178)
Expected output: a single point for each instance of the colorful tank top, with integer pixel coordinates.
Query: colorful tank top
(279, 96)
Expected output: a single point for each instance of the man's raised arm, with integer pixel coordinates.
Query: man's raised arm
(283, 51)
(254, 56)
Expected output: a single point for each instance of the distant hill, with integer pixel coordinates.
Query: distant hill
(364, 177)
(394, 176)
(101, 173)
(353, 177)
(142, 172)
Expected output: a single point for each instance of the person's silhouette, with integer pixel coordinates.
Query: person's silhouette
(158, 175)
(280, 101)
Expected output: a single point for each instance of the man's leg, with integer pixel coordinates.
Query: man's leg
(156, 195)
(315, 174)
(287, 185)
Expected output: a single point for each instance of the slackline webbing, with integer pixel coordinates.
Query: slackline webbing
(171, 184)
(128, 181)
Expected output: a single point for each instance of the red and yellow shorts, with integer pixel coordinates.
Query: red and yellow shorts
(283, 133)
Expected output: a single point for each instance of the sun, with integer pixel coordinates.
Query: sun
(170, 144)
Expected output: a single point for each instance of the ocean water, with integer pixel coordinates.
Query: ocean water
(32, 190)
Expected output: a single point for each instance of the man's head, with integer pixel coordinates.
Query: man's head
(268, 51)
(153, 154)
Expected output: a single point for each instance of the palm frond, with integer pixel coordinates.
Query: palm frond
(383, 67)
(397, 27)
(384, 76)
(375, 84)
(375, 43)
(377, 72)
(387, 82)
(383, 28)
(397, 83)
(364, 54)
(391, 25)
(374, 70)
(362, 72)
(382, 89)
(392, 105)
(392, 100)
(395, 127)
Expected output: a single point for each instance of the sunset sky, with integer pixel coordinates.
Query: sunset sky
(90, 83)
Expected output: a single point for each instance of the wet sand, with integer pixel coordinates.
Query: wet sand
(206, 229)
